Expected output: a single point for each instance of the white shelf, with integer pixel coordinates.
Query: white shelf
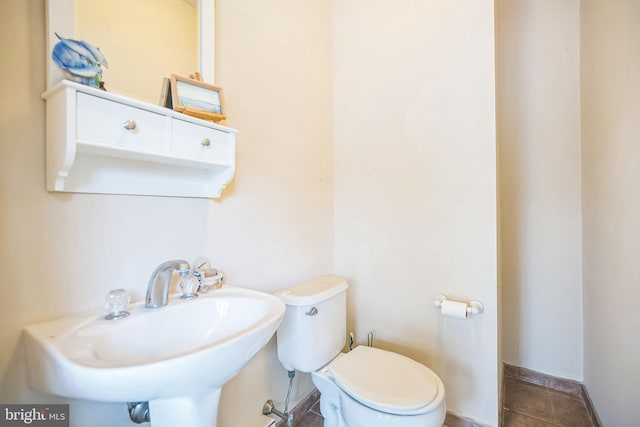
(89, 150)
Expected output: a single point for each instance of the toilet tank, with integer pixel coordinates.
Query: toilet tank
(314, 328)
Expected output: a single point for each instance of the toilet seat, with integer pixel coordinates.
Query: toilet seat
(386, 381)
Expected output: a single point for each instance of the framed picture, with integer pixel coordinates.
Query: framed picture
(165, 94)
(197, 99)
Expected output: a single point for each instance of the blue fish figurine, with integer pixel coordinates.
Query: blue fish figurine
(80, 61)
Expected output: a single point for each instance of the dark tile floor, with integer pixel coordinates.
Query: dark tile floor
(524, 405)
(530, 405)
(312, 417)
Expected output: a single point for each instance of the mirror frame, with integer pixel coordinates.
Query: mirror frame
(59, 17)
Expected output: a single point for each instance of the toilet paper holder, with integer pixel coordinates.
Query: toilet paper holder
(473, 307)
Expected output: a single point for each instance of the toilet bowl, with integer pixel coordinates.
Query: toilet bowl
(365, 387)
(369, 387)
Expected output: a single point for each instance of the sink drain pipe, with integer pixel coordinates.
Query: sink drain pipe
(139, 412)
(270, 408)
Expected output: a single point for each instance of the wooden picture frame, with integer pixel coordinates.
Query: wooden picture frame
(165, 94)
(197, 99)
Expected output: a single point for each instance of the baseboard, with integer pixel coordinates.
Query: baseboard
(263, 421)
(564, 385)
(453, 420)
(590, 408)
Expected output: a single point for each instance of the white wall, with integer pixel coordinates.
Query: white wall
(415, 183)
(538, 45)
(611, 207)
(273, 227)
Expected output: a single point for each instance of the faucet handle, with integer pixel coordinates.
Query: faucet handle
(189, 285)
(183, 268)
(116, 302)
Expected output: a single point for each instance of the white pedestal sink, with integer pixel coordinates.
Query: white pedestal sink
(176, 357)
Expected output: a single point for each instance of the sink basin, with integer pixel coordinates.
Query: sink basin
(176, 357)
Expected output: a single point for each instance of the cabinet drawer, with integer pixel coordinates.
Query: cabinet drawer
(103, 121)
(196, 142)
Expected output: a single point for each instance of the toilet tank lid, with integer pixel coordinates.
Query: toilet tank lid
(313, 291)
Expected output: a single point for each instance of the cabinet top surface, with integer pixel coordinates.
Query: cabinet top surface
(123, 99)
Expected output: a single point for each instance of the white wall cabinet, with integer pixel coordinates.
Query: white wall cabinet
(99, 142)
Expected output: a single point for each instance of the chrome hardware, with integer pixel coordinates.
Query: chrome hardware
(158, 288)
(129, 125)
(270, 408)
(139, 412)
(312, 312)
(205, 142)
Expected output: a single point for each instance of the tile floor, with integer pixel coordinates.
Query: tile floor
(525, 405)
(312, 417)
(531, 405)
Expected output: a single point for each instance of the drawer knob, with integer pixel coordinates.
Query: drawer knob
(129, 125)
(205, 142)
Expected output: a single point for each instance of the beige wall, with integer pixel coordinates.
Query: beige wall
(611, 207)
(415, 184)
(406, 97)
(273, 227)
(273, 60)
(539, 132)
(141, 55)
(61, 253)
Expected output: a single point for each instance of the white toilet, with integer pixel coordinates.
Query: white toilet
(366, 387)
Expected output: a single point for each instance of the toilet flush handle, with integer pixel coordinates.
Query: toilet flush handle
(312, 312)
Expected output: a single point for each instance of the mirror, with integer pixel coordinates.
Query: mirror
(143, 40)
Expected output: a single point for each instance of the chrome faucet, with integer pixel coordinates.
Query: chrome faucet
(158, 288)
